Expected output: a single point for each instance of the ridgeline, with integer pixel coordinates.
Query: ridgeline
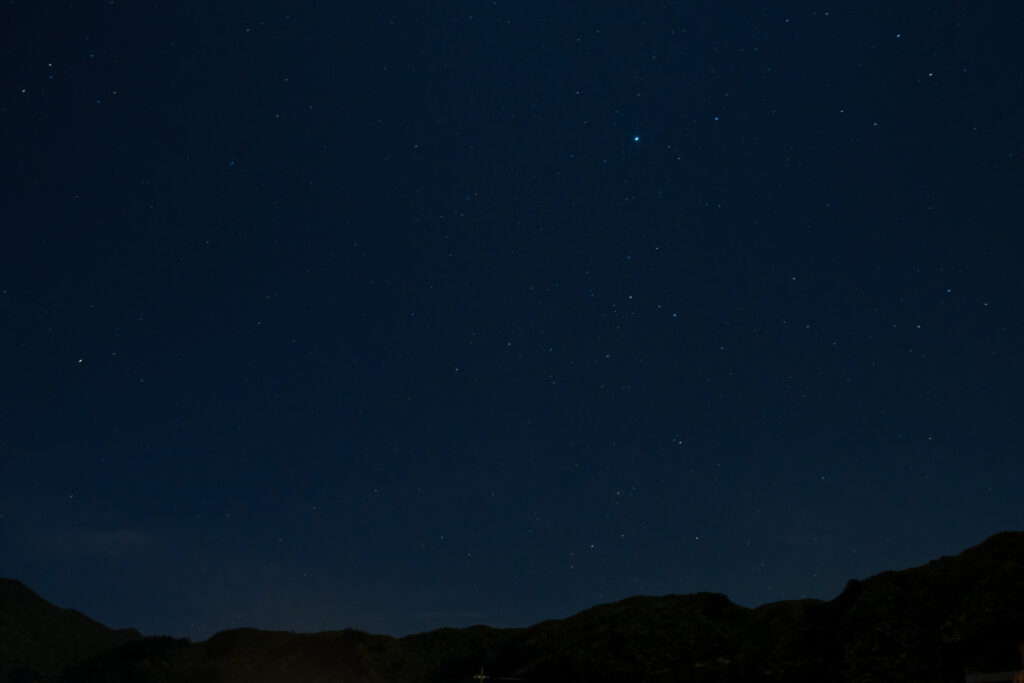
(932, 623)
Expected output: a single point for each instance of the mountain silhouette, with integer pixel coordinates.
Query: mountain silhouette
(952, 617)
(40, 642)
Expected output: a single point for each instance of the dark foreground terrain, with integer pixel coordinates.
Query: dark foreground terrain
(930, 623)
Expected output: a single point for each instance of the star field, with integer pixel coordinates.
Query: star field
(394, 318)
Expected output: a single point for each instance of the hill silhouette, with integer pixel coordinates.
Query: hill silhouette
(934, 622)
(40, 641)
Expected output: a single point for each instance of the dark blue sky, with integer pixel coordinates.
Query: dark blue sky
(398, 317)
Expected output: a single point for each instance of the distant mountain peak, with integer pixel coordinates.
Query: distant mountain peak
(40, 640)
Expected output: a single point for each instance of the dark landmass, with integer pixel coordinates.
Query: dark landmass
(955, 614)
(40, 641)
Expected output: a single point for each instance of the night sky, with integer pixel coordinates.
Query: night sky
(405, 315)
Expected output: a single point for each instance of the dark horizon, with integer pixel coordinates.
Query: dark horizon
(399, 635)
